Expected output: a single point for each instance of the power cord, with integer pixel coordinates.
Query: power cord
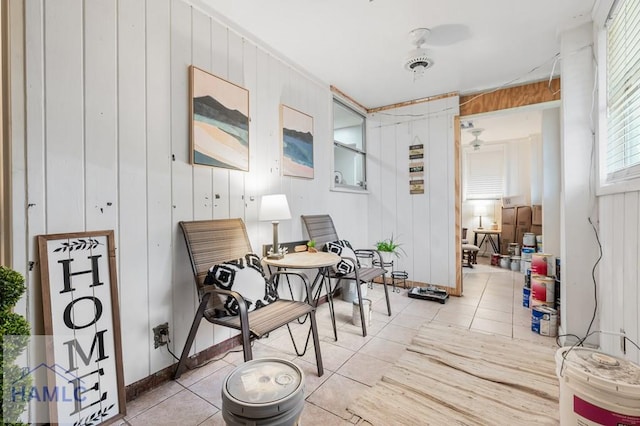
(593, 278)
(205, 363)
(580, 341)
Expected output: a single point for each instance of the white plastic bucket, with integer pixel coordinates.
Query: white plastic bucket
(529, 239)
(515, 263)
(597, 389)
(356, 320)
(349, 291)
(268, 391)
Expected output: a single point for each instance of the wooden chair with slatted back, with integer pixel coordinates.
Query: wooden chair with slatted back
(320, 228)
(211, 242)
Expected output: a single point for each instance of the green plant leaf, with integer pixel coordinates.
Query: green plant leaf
(390, 245)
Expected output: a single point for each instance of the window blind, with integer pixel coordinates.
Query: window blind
(484, 173)
(623, 91)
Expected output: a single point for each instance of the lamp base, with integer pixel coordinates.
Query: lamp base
(275, 256)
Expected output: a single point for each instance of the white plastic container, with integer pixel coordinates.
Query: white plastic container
(356, 320)
(268, 391)
(596, 388)
(515, 263)
(529, 239)
(349, 291)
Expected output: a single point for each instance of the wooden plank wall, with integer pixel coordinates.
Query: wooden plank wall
(618, 279)
(510, 97)
(423, 223)
(106, 146)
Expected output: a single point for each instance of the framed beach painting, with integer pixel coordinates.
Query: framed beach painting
(297, 143)
(219, 112)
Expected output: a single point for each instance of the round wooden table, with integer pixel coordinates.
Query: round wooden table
(307, 260)
(304, 260)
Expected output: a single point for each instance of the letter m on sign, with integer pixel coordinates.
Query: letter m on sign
(74, 347)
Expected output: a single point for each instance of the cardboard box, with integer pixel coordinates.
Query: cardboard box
(536, 229)
(513, 200)
(508, 216)
(523, 216)
(536, 214)
(520, 231)
(507, 236)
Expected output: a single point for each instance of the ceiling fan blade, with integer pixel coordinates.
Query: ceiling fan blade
(448, 34)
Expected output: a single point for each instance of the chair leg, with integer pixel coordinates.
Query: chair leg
(362, 321)
(332, 311)
(316, 343)
(246, 345)
(192, 335)
(386, 293)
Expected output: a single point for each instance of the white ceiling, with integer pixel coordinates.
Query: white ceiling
(360, 46)
(505, 126)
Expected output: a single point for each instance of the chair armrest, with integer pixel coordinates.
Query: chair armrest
(364, 253)
(302, 276)
(242, 305)
(370, 253)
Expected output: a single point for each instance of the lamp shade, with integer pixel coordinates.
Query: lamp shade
(480, 210)
(274, 207)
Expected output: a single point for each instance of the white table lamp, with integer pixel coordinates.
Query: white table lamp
(274, 208)
(480, 211)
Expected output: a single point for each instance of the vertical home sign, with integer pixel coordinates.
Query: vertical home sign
(82, 324)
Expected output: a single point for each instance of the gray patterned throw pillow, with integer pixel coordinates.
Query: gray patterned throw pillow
(245, 276)
(343, 249)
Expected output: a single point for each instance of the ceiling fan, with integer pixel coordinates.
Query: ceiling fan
(418, 60)
(475, 143)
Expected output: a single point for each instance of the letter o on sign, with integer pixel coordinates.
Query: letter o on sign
(97, 305)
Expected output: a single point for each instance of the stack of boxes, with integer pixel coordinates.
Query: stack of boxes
(516, 221)
(536, 225)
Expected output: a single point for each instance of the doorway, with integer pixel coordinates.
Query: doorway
(520, 145)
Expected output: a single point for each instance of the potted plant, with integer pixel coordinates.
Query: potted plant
(311, 246)
(16, 328)
(389, 249)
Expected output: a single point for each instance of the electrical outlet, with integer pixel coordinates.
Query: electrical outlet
(161, 335)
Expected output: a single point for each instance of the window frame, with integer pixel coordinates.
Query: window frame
(337, 144)
(620, 183)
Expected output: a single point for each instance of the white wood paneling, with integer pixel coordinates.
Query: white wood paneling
(628, 292)
(201, 58)
(181, 172)
(107, 146)
(202, 176)
(35, 155)
(618, 275)
(159, 223)
(132, 188)
(427, 219)
(252, 178)
(16, 110)
(236, 75)
(220, 61)
(403, 225)
(439, 192)
(100, 114)
(64, 108)
(605, 275)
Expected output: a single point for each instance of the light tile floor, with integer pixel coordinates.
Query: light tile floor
(492, 303)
